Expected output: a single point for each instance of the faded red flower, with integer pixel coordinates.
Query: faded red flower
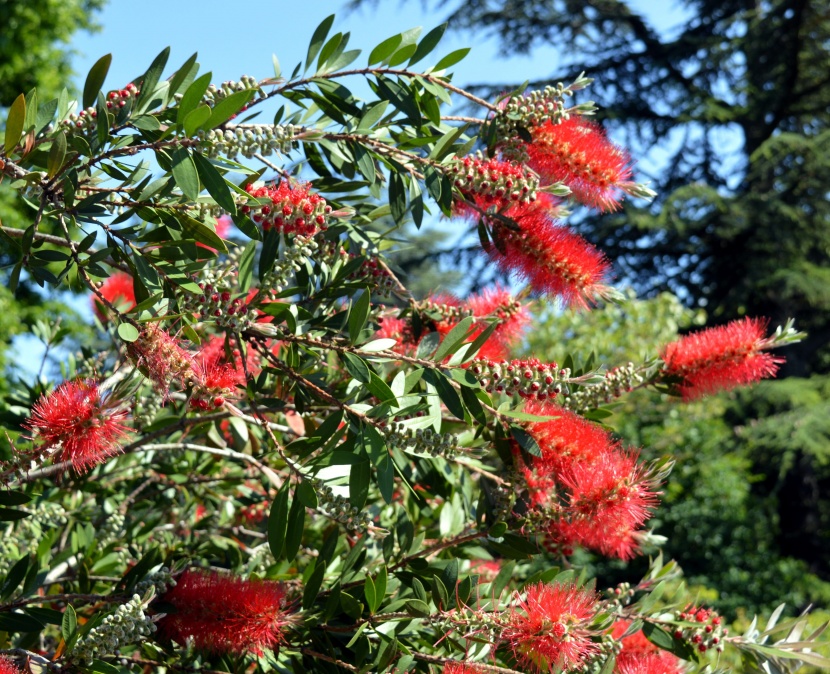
(118, 290)
(81, 424)
(550, 628)
(720, 358)
(551, 258)
(578, 153)
(461, 668)
(223, 614)
(294, 208)
(161, 358)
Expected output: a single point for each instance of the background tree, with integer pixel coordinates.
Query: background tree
(34, 52)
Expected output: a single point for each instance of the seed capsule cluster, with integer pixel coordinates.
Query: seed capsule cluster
(536, 107)
(340, 509)
(421, 440)
(705, 633)
(475, 175)
(161, 580)
(128, 625)
(248, 140)
(527, 378)
(617, 381)
(16, 540)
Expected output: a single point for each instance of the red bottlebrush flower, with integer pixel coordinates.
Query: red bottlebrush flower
(654, 663)
(223, 225)
(223, 614)
(551, 258)
(491, 183)
(161, 358)
(640, 656)
(577, 153)
(118, 290)
(390, 327)
(8, 667)
(213, 384)
(512, 315)
(86, 427)
(294, 208)
(720, 358)
(549, 629)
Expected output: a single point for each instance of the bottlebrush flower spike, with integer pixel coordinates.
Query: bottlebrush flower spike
(118, 290)
(577, 153)
(640, 656)
(551, 258)
(549, 629)
(80, 423)
(513, 318)
(720, 358)
(8, 667)
(161, 358)
(294, 208)
(492, 183)
(223, 614)
(462, 668)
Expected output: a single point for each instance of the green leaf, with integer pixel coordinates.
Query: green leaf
(13, 498)
(417, 608)
(103, 667)
(10, 514)
(16, 574)
(192, 98)
(317, 40)
(429, 43)
(526, 440)
(196, 119)
(454, 339)
(19, 622)
(228, 107)
(201, 232)
(358, 315)
(352, 608)
(294, 530)
(447, 394)
(426, 347)
(385, 49)
(95, 79)
(369, 593)
(278, 522)
(451, 59)
(128, 332)
(69, 623)
(372, 116)
(214, 183)
(397, 197)
(357, 367)
(15, 123)
(246, 266)
(386, 478)
(360, 475)
(312, 586)
(187, 71)
(185, 174)
(57, 154)
(151, 78)
(306, 495)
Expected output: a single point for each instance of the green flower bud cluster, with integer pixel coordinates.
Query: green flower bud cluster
(145, 408)
(296, 252)
(128, 625)
(596, 661)
(161, 580)
(249, 140)
(449, 312)
(422, 440)
(475, 174)
(20, 537)
(617, 381)
(340, 508)
(215, 94)
(111, 529)
(621, 595)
